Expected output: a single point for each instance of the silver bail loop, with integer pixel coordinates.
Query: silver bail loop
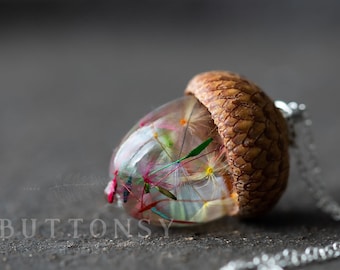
(292, 110)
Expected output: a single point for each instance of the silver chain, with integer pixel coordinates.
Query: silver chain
(304, 151)
(287, 258)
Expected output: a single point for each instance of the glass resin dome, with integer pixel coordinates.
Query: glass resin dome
(172, 166)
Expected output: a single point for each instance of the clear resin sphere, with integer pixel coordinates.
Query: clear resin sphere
(171, 166)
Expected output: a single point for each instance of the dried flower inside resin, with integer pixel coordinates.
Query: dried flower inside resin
(171, 165)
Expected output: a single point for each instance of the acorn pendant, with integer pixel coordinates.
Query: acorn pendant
(221, 150)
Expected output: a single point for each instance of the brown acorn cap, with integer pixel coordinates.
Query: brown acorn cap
(255, 136)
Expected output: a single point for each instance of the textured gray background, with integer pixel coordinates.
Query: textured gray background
(76, 75)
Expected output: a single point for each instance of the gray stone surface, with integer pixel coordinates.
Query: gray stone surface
(74, 77)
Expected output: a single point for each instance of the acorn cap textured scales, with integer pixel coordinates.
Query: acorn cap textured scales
(255, 136)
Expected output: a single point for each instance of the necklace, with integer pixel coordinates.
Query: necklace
(221, 150)
(304, 151)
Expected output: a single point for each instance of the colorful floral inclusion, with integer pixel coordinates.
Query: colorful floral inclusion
(172, 166)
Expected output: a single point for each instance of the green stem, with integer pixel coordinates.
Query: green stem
(195, 152)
